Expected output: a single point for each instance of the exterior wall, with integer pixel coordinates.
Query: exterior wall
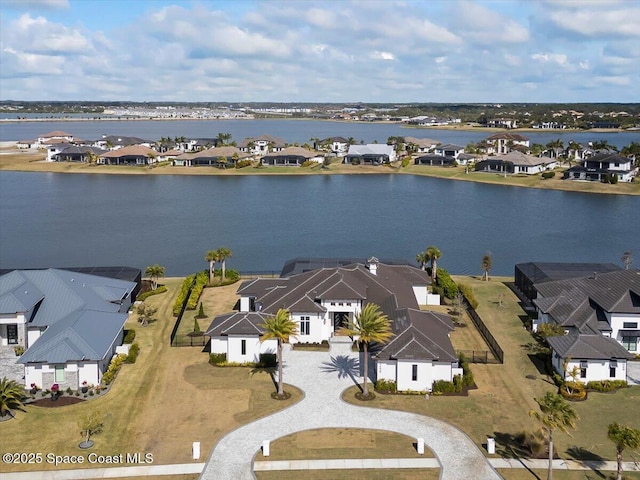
(253, 348)
(33, 334)
(597, 370)
(420, 293)
(351, 306)
(245, 304)
(218, 344)
(43, 375)
(318, 330)
(401, 371)
(617, 321)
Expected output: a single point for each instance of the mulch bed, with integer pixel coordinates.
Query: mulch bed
(60, 402)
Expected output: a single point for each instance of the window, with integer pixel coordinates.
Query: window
(59, 374)
(612, 368)
(243, 347)
(630, 343)
(305, 326)
(583, 369)
(414, 372)
(630, 325)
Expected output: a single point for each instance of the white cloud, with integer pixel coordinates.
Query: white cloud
(382, 55)
(595, 22)
(557, 58)
(484, 26)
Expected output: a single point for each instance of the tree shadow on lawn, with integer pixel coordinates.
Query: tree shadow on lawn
(509, 446)
(345, 366)
(588, 459)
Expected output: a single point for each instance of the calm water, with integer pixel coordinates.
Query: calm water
(290, 130)
(49, 219)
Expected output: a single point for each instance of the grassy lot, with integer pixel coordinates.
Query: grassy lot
(12, 159)
(168, 399)
(523, 474)
(332, 443)
(500, 405)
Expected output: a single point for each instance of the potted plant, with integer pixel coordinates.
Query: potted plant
(34, 389)
(84, 387)
(55, 391)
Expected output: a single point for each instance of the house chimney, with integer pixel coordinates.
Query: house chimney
(372, 265)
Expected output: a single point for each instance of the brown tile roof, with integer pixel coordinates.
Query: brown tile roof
(516, 137)
(131, 150)
(56, 133)
(293, 151)
(421, 142)
(519, 158)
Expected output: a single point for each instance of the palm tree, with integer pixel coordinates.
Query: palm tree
(434, 254)
(623, 437)
(223, 139)
(223, 254)
(154, 272)
(212, 257)
(370, 325)
(280, 327)
(555, 413)
(11, 395)
(422, 258)
(486, 266)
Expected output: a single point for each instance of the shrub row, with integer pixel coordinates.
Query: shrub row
(230, 276)
(114, 366)
(243, 163)
(309, 163)
(217, 358)
(134, 350)
(129, 336)
(445, 285)
(606, 385)
(467, 291)
(202, 278)
(182, 294)
(267, 360)
(459, 381)
(145, 295)
(383, 385)
(547, 175)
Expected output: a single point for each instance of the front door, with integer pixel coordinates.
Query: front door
(340, 320)
(12, 334)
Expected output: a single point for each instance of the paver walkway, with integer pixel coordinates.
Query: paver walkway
(323, 376)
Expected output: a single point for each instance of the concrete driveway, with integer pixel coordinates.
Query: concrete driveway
(323, 376)
(633, 372)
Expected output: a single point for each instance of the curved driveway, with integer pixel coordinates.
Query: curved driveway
(323, 376)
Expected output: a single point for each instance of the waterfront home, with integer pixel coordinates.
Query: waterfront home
(336, 145)
(502, 123)
(449, 150)
(607, 304)
(433, 159)
(594, 358)
(373, 153)
(77, 154)
(421, 145)
(323, 300)
(55, 148)
(69, 323)
(131, 155)
(601, 166)
(27, 144)
(516, 162)
(115, 142)
(56, 136)
(291, 156)
(262, 145)
(217, 157)
(502, 143)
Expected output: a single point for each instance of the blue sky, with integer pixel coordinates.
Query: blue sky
(321, 51)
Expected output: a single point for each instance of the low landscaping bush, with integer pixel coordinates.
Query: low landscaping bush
(406, 161)
(145, 295)
(606, 385)
(114, 366)
(467, 375)
(217, 358)
(134, 350)
(467, 291)
(546, 330)
(230, 276)
(547, 175)
(308, 163)
(446, 284)
(355, 161)
(442, 386)
(129, 336)
(383, 385)
(243, 163)
(267, 360)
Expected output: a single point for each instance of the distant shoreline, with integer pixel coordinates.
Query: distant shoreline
(453, 127)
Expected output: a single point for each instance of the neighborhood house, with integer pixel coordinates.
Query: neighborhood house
(69, 323)
(323, 300)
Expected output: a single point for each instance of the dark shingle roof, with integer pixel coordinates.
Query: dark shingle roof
(539, 272)
(237, 323)
(587, 347)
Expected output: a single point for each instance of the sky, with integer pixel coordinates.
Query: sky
(384, 51)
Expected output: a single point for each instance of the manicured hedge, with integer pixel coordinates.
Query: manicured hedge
(202, 278)
(114, 366)
(134, 350)
(606, 385)
(445, 284)
(182, 294)
(145, 295)
(129, 336)
(467, 291)
(546, 175)
(383, 385)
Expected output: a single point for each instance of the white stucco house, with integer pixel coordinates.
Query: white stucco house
(596, 357)
(323, 300)
(373, 153)
(69, 323)
(606, 304)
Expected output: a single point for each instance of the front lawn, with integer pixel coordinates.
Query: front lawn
(168, 399)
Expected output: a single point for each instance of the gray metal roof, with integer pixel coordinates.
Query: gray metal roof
(82, 312)
(371, 149)
(17, 294)
(594, 347)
